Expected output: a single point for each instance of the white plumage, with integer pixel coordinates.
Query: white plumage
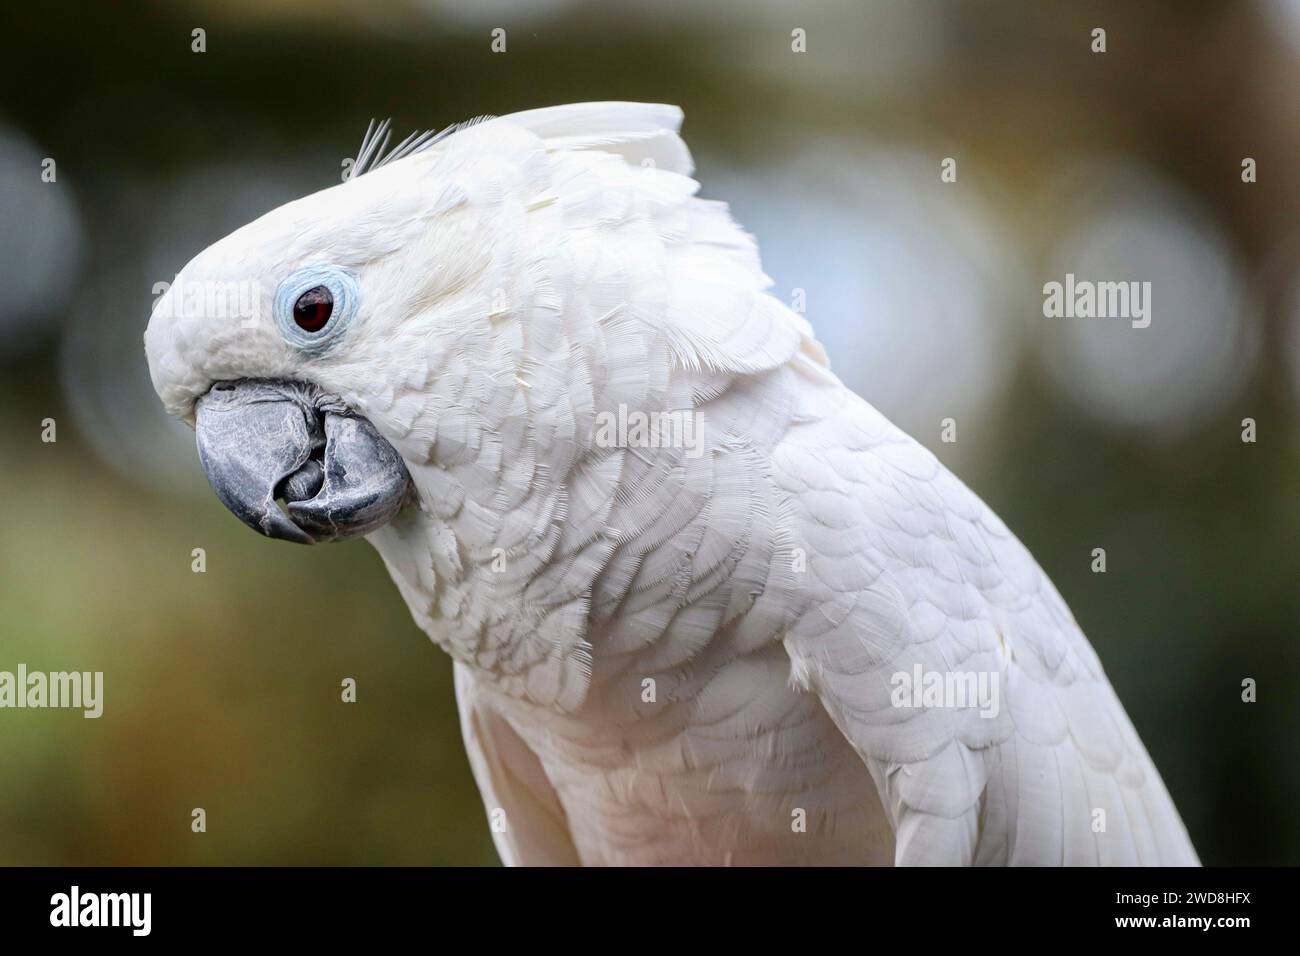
(677, 654)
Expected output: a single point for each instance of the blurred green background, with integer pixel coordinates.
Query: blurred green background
(223, 688)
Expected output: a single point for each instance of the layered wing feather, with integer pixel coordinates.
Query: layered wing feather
(909, 573)
(528, 823)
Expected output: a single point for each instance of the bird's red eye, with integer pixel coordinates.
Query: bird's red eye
(313, 308)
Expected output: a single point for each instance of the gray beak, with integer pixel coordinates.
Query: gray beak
(260, 441)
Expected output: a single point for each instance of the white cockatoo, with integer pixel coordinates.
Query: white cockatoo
(706, 605)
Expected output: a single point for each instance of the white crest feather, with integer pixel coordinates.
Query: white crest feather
(374, 151)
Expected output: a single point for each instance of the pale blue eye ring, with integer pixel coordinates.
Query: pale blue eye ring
(342, 287)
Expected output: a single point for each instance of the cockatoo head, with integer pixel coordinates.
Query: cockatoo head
(303, 346)
(446, 329)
